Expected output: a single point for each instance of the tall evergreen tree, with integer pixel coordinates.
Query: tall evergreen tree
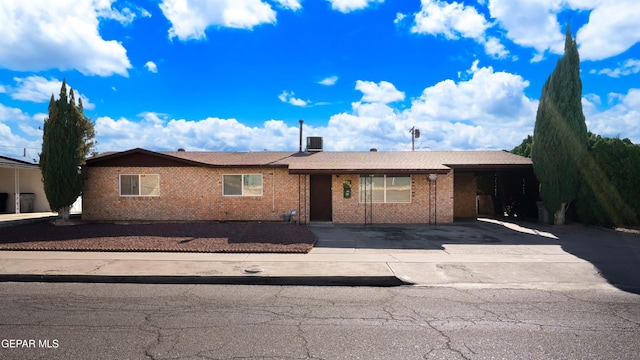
(66, 141)
(560, 134)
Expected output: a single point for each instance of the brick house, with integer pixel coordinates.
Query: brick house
(342, 187)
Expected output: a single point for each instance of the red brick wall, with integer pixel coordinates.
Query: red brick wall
(417, 211)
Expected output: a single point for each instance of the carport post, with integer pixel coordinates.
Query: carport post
(433, 178)
(16, 177)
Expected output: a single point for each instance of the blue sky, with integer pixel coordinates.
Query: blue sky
(237, 75)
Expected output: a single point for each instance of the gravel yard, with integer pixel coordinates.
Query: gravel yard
(162, 237)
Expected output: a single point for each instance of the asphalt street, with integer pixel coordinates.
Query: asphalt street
(138, 321)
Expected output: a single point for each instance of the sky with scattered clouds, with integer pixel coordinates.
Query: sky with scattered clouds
(237, 75)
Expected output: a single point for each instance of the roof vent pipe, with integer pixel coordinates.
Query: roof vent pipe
(300, 149)
(181, 150)
(373, 150)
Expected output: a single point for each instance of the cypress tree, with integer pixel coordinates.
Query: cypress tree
(66, 140)
(560, 134)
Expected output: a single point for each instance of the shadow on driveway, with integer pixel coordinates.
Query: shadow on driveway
(616, 254)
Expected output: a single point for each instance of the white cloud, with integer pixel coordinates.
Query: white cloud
(452, 20)
(399, 18)
(489, 110)
(41, 34)
(19, 131)
(190, 18)
(612, 29)
(532, 24)
(151, 66)
(289, 97)
(9, 115)
(124, 16)
(212, 134)
(290, 4)
(328, 81)
(39, 89)
(346, 6)
(493, 47)
(383, 92)
(487, 99)
(621, 119)
(629, 67)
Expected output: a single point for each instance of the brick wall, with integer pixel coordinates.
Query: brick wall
(422, 208)
(464, 195)
(188, 193)
(195, 193)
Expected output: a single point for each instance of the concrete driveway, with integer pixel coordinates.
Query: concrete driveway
(482, 253)
(488, 252)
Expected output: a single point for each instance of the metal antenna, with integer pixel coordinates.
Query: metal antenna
(415, 134)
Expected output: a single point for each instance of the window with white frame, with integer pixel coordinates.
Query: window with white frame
(242, 185)
(140, 185)
(385, 188)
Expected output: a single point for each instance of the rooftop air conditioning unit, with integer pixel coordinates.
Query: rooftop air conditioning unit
(314, 143)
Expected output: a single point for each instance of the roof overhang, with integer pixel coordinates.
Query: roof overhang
(140, 158)
(6, 162)
(367, 171)
(491, 167)
(105, 160)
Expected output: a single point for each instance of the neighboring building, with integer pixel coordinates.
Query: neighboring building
(21, 188)
(342, 187)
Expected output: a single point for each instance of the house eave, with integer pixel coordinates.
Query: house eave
(366, 171)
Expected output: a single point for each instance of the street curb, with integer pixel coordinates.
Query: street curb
(364, 281)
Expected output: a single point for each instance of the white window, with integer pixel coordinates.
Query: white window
(242, 185)
(385, 188)
(140, 185)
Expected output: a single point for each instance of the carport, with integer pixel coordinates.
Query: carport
(496, 191)
(21, 189)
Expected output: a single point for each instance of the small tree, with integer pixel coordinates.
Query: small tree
(560, 134)
(524, 149)
(67, 139)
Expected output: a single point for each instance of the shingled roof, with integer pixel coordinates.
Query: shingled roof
(403, 161)
(193, 158)
(226, 158)
(336, 162)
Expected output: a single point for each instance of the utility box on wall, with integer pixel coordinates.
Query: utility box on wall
(346, 187)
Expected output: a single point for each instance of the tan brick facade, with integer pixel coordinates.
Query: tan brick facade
(422, 208)
(191, 185)
(195, 194)
(188, 194)
(465, 195)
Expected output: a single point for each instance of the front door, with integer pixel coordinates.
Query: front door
(320, 198)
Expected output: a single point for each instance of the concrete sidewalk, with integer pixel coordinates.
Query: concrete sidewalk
(477, 254)
(24, 218)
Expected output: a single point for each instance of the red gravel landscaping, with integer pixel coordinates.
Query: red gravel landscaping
(163, 237)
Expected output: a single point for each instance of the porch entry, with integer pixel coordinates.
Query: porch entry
(320, 205)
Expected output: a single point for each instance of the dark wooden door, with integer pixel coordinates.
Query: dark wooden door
(320, 198)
